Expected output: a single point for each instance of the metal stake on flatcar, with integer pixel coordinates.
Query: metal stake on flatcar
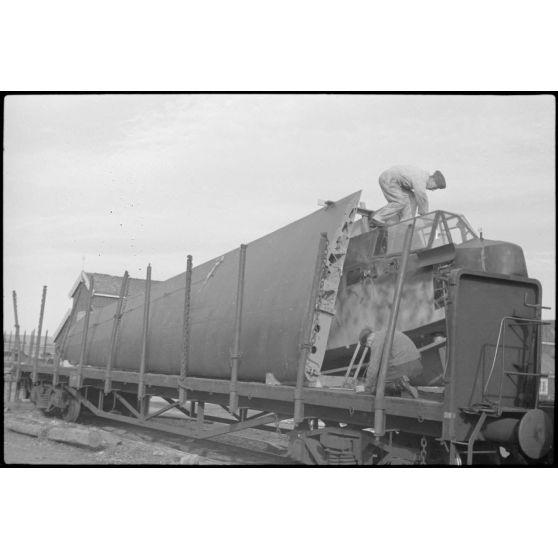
(24, 341)
(79, 377)
(144, 336)
(185, 361)
(35, 374)
(59, 349)
(18, 351)
(114, 333)
(31, 345)
(45, 345)
(236, 355)
(379, 402)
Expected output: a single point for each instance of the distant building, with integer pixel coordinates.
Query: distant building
(107, 290)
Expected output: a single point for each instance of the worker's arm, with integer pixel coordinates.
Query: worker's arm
(405, 183)
(375, 359)
(422, 200)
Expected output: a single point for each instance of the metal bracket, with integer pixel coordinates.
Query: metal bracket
(258, 420)
(538, 306)
(126, 404)
(474, 436)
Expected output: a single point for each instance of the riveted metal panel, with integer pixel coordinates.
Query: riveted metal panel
(476, 326)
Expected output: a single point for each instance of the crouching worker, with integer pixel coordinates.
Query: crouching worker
(404, 362)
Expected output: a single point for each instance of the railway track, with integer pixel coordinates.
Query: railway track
(249, 447)
(227, 449)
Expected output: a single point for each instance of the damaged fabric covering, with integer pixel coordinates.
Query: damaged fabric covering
(279, 273)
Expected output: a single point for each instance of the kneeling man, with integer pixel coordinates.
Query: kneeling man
(404, 362)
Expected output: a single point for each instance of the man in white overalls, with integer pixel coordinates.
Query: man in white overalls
(404, 187)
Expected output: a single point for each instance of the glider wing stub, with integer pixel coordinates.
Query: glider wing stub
(279, 273)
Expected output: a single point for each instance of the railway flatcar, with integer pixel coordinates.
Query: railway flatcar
(270, 332)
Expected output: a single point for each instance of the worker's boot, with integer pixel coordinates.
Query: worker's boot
(374, 224)
(399, 385)
(393, 388)
(406, 385)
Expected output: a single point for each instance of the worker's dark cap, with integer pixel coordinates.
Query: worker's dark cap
(439, 179)
(364, 334)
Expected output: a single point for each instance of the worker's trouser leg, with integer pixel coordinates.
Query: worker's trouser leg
(399, 203)
(410, 209)
(411, 370)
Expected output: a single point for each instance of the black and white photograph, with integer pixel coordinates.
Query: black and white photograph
(287, 280)
(279, 278)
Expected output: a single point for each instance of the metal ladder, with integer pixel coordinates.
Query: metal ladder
(352, 380)
(470, 443)
(492, 408)
(524, 367)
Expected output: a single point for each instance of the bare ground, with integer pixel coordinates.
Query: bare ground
(138, 446)
(22, 449)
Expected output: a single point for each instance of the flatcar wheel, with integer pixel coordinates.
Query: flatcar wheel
(26, 388)
(71, 410)
(50, 411)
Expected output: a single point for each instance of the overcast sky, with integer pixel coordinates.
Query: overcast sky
(109, 183)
